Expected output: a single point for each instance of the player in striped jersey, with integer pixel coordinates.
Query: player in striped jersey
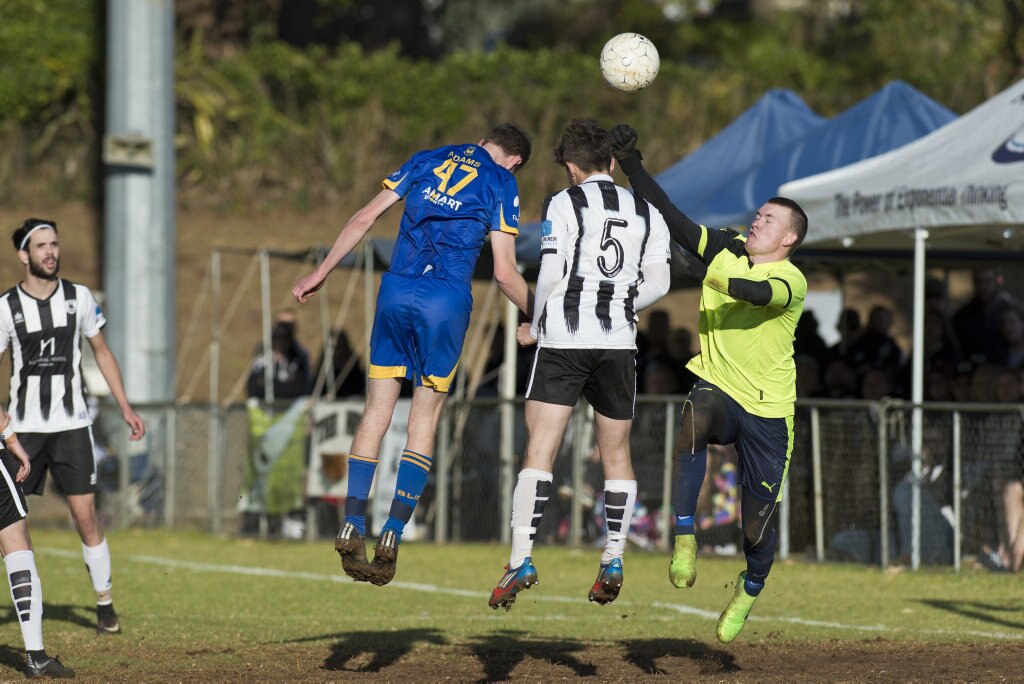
(19, 559)
(751, 299)
(604, 256)
(456, 197)
(42, 321)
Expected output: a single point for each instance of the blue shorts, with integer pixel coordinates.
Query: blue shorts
(764, 445)
(419, 329)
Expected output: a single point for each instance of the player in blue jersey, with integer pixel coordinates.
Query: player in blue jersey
(455, 197)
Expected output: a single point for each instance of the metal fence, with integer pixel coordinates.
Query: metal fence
(856, 491)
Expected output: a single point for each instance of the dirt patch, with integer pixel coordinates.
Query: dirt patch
(422, 655)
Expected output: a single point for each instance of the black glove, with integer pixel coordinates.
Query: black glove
(623, 141)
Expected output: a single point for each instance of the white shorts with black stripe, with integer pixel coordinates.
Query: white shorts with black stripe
(12, 501)
(605, 377)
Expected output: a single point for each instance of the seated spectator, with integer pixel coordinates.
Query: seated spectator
(938, 386)
(848, 327)
(292, 377)
(806, 339)
(875, 385)
(876, 348)
(808, 377)
(680, 351)
(1011, 333)
(1008, 387)
(840, 380)
(345, 377)
(652, 344)
(977, 322)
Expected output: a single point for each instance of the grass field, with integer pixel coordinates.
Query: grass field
(199, 607)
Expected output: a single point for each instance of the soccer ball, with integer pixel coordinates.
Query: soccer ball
(629, 62)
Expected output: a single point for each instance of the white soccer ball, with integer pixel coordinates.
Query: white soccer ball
(629, 62)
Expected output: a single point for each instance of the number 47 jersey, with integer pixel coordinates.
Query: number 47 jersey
(607, 236)
(454, 196)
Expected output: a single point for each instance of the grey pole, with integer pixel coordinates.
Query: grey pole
(507, 418)
(139, 251)
(668, 515)
(917, 396)
(819, 508)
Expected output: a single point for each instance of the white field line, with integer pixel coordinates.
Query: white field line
(197, 566)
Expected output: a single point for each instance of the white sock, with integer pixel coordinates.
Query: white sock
(97, 560)
(533, 489)
(619, 502)
(27, 594)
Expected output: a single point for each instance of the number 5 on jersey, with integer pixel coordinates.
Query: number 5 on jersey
(608, 241)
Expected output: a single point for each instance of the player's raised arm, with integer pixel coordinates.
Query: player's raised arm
(682, 228)
(347, 239)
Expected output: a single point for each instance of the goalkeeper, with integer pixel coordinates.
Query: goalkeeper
(751, 300)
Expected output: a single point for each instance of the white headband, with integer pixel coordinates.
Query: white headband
(24, 240)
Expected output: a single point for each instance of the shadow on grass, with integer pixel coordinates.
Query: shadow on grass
(643, 654)
(80, 616)
(500, 653)
(384, 648)
(992, 613)
(13, 658)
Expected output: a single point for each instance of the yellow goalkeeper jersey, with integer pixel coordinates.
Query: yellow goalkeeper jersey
(745, 349)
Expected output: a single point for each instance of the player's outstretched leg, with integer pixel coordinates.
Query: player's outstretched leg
(732, 619)
(350, 546)
(512, 582)
(385, 558)
(608, 583)
(682, 569)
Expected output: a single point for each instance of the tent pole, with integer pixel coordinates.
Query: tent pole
(917, 393)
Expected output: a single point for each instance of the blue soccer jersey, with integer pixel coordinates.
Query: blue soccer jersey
(454, 196)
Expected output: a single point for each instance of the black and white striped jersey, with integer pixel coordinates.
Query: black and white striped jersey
(607, 235)
(46, 355)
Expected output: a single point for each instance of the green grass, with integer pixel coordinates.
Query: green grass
(190, 610)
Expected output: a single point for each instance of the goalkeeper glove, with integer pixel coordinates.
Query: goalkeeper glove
(623, 141)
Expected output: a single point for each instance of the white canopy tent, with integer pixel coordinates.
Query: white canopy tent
(960, 188)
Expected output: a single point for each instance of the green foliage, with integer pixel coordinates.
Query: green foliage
(47, 48)
(281, 124)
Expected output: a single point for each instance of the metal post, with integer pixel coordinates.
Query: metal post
(917, 396)
(138, 153)
(957, 499)
(170, 464)
(268, 351)
(443, 476)
(883, 480)
(819, 509)
(213, 436)
(507, 389)
(668, 518)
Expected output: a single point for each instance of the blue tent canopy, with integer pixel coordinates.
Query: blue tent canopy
(778, 118)
(890, 118)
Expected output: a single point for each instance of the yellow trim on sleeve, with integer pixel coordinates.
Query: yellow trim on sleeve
(389, 184)
(703, 243)
(505, 228)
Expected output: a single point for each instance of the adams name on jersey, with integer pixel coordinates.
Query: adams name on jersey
(44, 335)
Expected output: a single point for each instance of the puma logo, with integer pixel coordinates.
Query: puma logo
(767, 486)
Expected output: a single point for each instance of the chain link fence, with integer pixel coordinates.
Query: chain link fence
(857, 489)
